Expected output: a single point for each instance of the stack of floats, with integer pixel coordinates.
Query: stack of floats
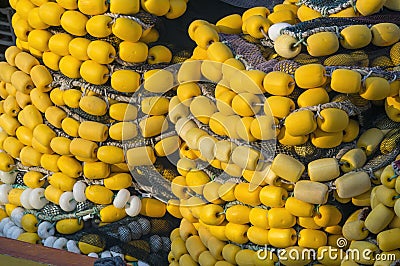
(283, 127)
(66, 88)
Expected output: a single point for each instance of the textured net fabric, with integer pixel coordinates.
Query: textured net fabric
(149, 179)
(369, 71)
(304, 59)
(93, 239)
(248, 4)
(390, 141)
(295, 94)
(19, 179)
(287, 66)
(306, 28)
(357, 59)
(266, 50)
(181, 56)
(65, 83)
(308, 152)
(328, 7)
(53, 213)
(383, 122)
(144, 238)
(395, 54)
(257, 56)
(381, 160)
(51, 210)
(355, 99)
(111, 261)
(84, 205)
(146, 20)
(396, 167)
(370, 56)
(139, 67)
(81, 116)
(248, 53)
(386, 16)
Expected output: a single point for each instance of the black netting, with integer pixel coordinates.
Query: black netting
(385, 16)
(51, 210)
(19, 179)
(249, 4)
(144, 238)
(381, 160)
(383, 122)
(84, 205)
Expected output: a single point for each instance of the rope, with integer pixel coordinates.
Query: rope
(137, 20)
(345, 105)
(328, 7)
(65, 83)
(39, 169)
(44, 217)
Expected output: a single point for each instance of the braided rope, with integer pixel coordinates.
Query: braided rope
(390, 141)
(381, 160)
(148, 179)
(344, 150)
(135, 143)
(131, 143)
(328, 7)
(39, 169)
(305, 29)
(248, 53)
(81, 116)
(65, 83)
(138, 67)
(59, 132)
(134, 18)
(138, 18)
(367, 72)
(345, 105)
(41, 216)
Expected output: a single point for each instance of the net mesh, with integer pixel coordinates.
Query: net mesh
(144, 238)
(248, 4)
(147, 239)
(248, 53)
(327, 7)
(371, 59)
(369, 56)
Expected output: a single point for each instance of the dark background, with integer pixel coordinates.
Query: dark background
(175, 31)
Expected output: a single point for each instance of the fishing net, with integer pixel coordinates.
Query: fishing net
(249, 4)
(144, 238)
(141, 237)
(328, 7)
(361, 60)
